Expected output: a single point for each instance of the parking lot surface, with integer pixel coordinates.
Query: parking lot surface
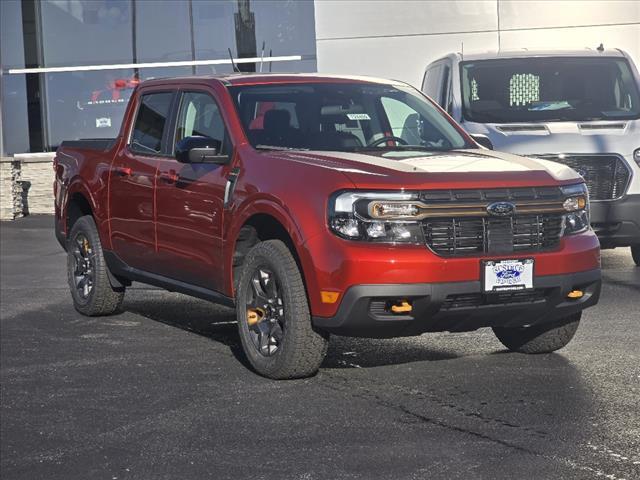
(161, 390)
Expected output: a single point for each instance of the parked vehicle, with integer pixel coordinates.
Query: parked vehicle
(580, 108)
(319, 205)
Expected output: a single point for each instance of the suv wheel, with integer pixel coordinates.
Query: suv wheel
(635, 253)
(544, 338)
(91, 290)
(273, 315)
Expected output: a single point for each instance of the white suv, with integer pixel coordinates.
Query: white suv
(580, 108)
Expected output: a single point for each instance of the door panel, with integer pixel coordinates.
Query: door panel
(132, 210)
(132, 183)
(189, 200)
(189, 222)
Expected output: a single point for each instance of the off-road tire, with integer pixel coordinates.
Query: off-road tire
(544, 338)
(635, 253)
(103, 299)
(302, 348)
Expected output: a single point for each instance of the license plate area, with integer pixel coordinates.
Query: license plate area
(507, 275)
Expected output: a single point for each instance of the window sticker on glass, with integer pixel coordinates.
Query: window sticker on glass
(358, 116)
(103, 122)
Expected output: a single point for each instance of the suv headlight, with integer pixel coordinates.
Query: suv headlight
(382, 217)
(576, 203)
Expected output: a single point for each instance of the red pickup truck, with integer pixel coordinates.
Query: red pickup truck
(319, 205)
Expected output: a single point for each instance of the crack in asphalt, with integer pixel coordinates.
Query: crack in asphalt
(367, 394)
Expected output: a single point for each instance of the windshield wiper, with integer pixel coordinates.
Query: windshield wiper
(277, 147)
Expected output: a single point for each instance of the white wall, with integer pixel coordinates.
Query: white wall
(397, 39)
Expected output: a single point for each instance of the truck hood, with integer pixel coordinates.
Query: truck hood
(621, 137)
(421, 169)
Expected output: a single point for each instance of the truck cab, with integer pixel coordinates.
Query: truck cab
(579, 108)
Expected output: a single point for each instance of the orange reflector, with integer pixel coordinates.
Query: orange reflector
(329, 297)
(582, 202)
(575, 294)
(402, 307)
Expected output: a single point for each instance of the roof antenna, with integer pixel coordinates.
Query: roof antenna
(270, 62)
(600, 48)
(233, 64)
(262, 56)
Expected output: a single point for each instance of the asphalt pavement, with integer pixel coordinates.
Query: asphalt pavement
(161, 391)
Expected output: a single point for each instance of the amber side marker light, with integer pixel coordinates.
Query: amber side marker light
(401, 307)
(329, 297)
(575, 294)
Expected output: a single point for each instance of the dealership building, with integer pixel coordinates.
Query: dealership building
(68, 67)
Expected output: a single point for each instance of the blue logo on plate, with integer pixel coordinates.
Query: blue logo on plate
(501, 209)
(509, 273)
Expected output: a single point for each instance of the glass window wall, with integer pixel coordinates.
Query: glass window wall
(74, 33)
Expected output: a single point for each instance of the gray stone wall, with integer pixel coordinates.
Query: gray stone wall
(26, 185)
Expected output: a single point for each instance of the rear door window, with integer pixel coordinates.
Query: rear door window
(151, 122)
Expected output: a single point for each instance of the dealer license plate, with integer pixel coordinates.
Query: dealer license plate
(507, 275)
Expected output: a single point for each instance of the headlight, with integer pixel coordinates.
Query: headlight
(636, 156)
(576, 204)
(376, 217)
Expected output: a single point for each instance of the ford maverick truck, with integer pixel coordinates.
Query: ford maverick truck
(580, 108)
(320, 205)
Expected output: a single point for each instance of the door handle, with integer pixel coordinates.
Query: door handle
(122, 171)
(170, 177)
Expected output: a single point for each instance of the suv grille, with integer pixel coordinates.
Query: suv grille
(458, 236)
(607, 176)
(460, 224)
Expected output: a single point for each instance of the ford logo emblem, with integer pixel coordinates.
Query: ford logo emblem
(501, 209)
(508, 274)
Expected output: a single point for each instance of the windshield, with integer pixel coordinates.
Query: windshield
(549, 89)
(342, 117)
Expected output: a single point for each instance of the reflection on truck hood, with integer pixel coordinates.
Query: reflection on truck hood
(410, 168)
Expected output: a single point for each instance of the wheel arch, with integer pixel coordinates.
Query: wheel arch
(260, 223)
(79, 201)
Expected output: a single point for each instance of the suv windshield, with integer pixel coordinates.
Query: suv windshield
(549, 89)
(342, 117)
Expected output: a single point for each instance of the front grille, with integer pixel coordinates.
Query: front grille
(459, 236)
(607, 176)
(473, 300)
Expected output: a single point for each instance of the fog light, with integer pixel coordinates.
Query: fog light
(575, 294)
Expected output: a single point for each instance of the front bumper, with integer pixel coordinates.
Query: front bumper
(617, 222)
(457, 306)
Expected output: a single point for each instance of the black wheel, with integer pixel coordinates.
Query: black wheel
(635, 253)
(544, 338)
(91, 290)
(273, 315)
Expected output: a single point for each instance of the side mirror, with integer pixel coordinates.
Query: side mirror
(482, 140)
(197, 149)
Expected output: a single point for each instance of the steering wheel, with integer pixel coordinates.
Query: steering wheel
(387, 138)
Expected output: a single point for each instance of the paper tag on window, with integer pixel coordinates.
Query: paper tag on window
(358, 116)
(103, 122)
